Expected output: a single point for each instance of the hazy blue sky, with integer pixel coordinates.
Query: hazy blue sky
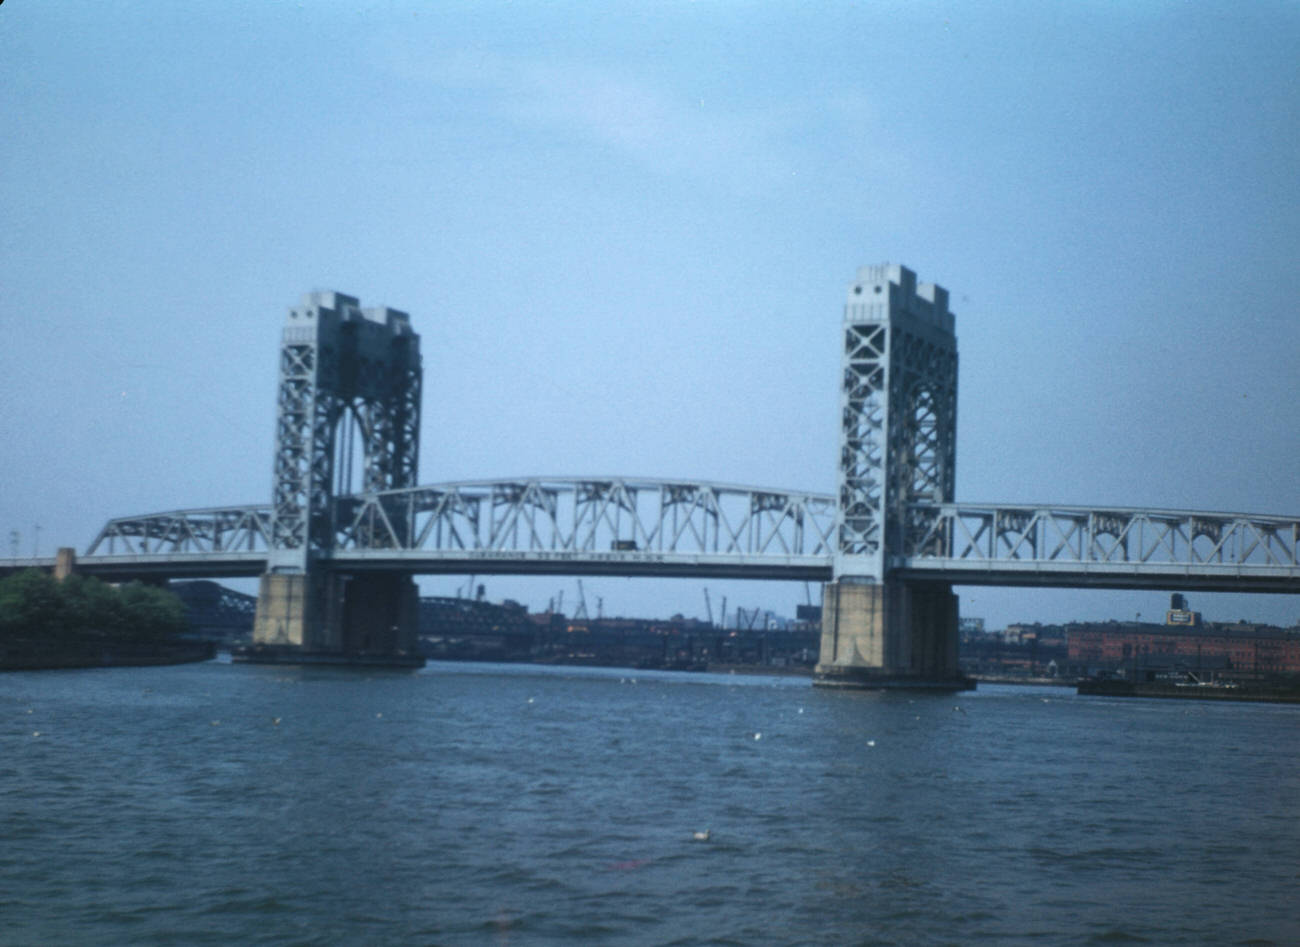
(625, 232)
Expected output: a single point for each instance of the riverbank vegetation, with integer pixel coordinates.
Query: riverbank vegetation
(36, 607)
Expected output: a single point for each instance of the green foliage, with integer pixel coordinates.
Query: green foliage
(30, 603)
(33, 605)
(150, 612)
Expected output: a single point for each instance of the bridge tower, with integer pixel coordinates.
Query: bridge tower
(348, 421)
(898, 432)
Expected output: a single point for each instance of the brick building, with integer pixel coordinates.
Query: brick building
(1242, 648)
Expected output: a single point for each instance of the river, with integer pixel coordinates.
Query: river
(481, 804)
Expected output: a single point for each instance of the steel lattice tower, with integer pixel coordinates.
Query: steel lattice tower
(347, 375)
(898, 437)
(348, 420)
(898, 403)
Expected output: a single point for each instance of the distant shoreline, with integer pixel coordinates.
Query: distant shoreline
(1026, 681)
(1166, 691)
(43, 656)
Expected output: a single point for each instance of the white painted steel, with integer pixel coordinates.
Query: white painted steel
(898, 414)
(642, 526)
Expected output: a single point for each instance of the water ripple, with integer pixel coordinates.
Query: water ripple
(168, 806)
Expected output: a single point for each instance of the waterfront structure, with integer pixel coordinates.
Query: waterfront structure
(348, 422)
(349, 524)
(215, 612)
(898, 436)
(1139, 651)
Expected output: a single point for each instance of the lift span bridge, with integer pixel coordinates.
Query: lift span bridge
(624, 527)
(335, 563)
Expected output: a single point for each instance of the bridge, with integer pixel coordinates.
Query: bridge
(349, 525)
(668, 528)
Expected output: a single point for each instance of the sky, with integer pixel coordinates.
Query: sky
(624, 233)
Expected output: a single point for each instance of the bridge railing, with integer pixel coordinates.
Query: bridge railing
(973, 533)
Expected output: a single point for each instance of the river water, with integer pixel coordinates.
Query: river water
(476, 804)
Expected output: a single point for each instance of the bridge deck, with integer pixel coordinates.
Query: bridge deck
(642, 527)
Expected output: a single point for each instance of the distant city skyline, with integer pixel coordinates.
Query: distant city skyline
(625, 235)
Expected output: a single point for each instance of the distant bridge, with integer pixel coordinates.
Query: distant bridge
(672, 528)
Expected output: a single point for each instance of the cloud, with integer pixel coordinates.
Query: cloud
(662, 132)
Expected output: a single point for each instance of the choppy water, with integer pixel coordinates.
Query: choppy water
(515, 805)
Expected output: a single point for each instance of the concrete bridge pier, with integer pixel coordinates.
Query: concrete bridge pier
(65, 562)
(890, 634)
(322, 617)
(380, 615)
(349, 404)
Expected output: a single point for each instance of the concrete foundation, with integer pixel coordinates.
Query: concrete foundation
(380, 614)
(889, 635)
(286, 612)
(336, 618)
(65, 562)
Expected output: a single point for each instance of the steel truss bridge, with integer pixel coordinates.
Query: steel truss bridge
(349, 400)
(672, 528)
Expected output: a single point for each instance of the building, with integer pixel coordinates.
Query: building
(1186, 643)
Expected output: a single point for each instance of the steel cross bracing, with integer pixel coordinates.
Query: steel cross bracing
(198, 532)
(626, 526)
(605, 525)
(349, 392)
(218, 541)
(611, 525)
(1108, 548)
(898, 413)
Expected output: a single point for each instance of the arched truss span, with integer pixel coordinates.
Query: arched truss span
(640, 526)
(615, 525)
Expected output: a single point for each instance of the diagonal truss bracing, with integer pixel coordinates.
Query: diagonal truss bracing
(591, 515)
(898, 414)
(215, 530)
(1040, 542)
(622, 525)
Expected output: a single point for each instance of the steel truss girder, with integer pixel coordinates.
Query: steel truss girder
(181, 532)
(590, 515)
(1108, 545)
(627, 526)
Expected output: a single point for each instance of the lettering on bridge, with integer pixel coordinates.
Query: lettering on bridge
(565, 556)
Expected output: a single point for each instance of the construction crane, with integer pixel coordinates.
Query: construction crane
(581, 610)
(708, 605)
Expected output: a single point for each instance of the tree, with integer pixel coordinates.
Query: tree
(30, 605)
(151, 613)
(33, 605)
